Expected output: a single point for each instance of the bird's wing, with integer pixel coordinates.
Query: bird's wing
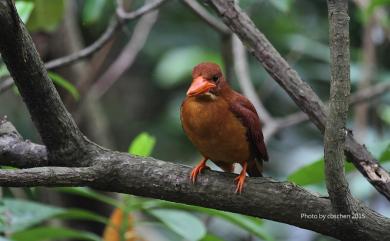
(246, 112)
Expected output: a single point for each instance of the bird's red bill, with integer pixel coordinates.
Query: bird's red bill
(199, 86)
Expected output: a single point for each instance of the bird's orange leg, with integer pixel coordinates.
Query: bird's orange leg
(197, 169)
(240, 180)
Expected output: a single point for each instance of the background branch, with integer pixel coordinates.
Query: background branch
(108, 34)
(212, 21)
(243, 77)
(127, 56)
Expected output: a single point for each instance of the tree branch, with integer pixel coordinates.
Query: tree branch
(148, 177)
(212, 21)
(296, 88)
(55, 125)
(16, 152)
(335, 129)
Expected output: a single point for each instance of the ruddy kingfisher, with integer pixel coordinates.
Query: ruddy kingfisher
(223, 125)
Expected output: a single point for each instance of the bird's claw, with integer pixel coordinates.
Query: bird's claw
(198, 169)
(239, 181)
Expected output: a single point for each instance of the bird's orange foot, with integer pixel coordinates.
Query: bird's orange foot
(198, 169)
(240, 180)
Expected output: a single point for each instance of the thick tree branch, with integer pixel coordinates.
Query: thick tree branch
(335, 129)
(16, 152)
(298, 90)
(148, 177)
(55, 125)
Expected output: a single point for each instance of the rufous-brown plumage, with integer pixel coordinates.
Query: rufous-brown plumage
(222, 124)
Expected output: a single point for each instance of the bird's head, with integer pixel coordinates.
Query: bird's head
(207, 78)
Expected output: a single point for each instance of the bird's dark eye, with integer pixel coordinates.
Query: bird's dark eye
(215, 78)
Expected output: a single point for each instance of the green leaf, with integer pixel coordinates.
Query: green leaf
(176, 65)
(209, 237)
(384, 113)
(281, 5)
(249, 224)
(385, 156)
(46, 16)
(22, 214)
(309, 174)
(24, 9)
(314, 173)
(142, 145)
(182, 223)
(81, 214)
(92, 11)
(3, 70)
(53, 233)
(58, 80)
(89, 193)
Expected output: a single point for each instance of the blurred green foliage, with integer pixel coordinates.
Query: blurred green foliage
(142, 145)
(46, 15)
(58, 80)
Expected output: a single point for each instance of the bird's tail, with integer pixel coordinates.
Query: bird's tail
(255, 168)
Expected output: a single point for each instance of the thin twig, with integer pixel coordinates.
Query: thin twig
(112, 28)
(212, 21)
(243, 77)
(127, 56)
(370, 93)
(86, 52)
(361, 96)
(139, 12)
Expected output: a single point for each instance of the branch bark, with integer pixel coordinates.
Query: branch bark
(335, 129)
(55, 125)
(263, 197)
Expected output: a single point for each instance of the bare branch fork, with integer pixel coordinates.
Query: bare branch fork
(73, 160)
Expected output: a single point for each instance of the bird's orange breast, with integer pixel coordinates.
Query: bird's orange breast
(215, 131)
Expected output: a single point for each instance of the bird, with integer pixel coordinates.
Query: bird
(223, 125)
